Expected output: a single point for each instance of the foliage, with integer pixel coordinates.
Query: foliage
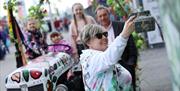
(11, 5)
(116, 6)
(38, 13)
(139, 40)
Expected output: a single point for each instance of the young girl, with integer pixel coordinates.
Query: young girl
(33, 39)
(57, 38)
(77, 23)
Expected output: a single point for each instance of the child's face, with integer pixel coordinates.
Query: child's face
(56, 39)
(31, 25)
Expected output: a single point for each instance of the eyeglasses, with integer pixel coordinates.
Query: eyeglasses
(100, 35)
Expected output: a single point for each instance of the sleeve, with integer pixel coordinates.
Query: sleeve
(50, 49)
(28, 40)
(111, 56)
(73, 37)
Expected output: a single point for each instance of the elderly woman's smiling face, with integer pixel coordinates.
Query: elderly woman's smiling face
(94, 37)
(99, 41)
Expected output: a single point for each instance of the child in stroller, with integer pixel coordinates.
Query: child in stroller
(62, 45)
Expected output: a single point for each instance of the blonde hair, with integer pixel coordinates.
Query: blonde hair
(77, 4)
(89, 31)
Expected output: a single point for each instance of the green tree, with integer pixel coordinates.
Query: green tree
(38, 13)
(118, 6)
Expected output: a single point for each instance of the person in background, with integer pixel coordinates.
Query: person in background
(114, 28)
(4, 37)
(58, 24)
(100, 68)
(77, 23)
(66, 23)
(2, 43)
(112, 14)
(57, 38)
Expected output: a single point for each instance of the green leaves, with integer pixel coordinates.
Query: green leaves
(38, 13)
(11, 4)
(116, 6)
(139, 40)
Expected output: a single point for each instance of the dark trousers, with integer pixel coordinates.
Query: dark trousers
(80, 47)
(132, 70)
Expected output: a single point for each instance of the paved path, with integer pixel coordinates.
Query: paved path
(155, 73)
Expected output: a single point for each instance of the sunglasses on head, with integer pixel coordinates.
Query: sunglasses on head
(100, 35)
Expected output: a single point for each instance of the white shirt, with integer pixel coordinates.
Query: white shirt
(111, 35)
(98, 68)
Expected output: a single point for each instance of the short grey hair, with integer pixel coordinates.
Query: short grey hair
(89, 31)
(100, 7)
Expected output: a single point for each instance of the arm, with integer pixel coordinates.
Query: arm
(51, 49)
(110, 57)
(73, 36)
(67, 48)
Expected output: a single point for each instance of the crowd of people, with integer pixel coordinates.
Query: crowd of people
(104, 47)
(4, 41)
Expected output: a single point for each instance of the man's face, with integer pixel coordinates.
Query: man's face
(103, 17)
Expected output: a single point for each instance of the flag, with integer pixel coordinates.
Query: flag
(17, 36)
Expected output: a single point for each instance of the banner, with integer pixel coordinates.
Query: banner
(17, 37)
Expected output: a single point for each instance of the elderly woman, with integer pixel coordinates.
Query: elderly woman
(99, 61)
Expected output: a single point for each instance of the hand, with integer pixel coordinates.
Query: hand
(128, 27)
(69, 74)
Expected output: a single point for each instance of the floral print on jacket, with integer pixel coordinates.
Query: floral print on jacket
(101, 71)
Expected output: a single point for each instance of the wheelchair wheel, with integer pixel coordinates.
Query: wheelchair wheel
(61, 87)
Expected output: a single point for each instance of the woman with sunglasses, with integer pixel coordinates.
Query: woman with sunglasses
(79, 20)
(99, 61)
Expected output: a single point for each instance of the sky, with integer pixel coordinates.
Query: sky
(62, 6)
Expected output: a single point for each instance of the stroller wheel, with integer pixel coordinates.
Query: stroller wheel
(61, 87)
